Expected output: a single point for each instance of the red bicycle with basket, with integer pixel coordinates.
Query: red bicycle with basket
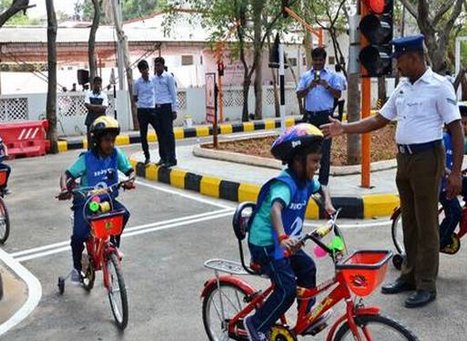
(100, 253)
(227, 299)
(4, 218)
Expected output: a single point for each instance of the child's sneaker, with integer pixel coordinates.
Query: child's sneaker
(75, 277)
(253, 334)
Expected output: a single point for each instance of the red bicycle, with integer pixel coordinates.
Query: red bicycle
(100, 253)
(4, 218)
(227, 299)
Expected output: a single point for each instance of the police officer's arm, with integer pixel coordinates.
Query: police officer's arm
(335, 127)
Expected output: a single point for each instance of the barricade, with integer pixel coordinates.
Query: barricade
(25, 139)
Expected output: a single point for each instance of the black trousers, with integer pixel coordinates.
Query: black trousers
(317, 119)
(146, 116)
(165, 132)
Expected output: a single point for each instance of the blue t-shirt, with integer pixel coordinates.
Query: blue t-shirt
(78, 169)
(261, 230)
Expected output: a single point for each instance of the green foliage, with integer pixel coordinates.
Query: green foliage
(19, 19)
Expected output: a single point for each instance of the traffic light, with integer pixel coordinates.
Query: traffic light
(274, 55)
(377, 28)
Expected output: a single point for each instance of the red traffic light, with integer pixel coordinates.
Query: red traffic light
(375, 6)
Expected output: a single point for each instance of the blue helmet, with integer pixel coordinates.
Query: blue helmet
(296, 139)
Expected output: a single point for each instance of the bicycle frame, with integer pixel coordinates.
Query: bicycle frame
(98, 249)
(304, 320)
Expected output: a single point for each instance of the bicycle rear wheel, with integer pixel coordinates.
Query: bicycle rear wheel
(117, 291)
(220, 304)
(4, 222)
(375, 328)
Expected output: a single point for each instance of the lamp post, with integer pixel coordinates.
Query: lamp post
(113, 82)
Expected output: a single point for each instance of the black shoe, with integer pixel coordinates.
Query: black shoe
(160, 162)
(420, 298)
(396, 287)
(170, 164)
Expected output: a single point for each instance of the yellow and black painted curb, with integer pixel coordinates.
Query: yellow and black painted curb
(367, 206)
(182, 133)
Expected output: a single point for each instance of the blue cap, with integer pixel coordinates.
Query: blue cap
(407, 44)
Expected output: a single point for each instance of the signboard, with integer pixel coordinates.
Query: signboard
(211, 102)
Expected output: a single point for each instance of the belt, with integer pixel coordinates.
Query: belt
(161, 105)
(322, 112)
(417, 147)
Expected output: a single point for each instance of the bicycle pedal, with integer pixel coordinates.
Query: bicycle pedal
(320, 324)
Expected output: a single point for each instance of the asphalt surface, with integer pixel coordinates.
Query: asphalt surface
(170, 235)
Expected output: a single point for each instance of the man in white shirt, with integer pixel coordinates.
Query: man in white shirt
(96, 102)
(166, 112)
(421, 105)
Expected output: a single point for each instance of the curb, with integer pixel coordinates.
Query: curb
(34, 292)
(367, 206)
(182, 133)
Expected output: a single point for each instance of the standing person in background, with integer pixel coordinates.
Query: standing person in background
(96, 102)
(143, 93)
(320, 86)
(166, 113)
(339, 103)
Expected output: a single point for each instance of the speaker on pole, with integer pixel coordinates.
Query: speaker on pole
(83, 76)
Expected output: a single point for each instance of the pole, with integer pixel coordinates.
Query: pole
(120, 60)
(282, 85)
(366, 109)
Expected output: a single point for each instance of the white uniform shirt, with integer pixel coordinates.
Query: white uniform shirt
(420, 109)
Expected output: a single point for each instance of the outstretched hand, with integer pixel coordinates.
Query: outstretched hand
(332, 129)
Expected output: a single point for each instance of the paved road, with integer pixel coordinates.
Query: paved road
(170, 234)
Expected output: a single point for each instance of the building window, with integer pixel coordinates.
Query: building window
(187, 60)
(293, 61)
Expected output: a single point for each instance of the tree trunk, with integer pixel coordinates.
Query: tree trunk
(275, 89)
(92, 40)
(51, 107)
(353, 114)
(15, 7)
(246, 91)
(258, 6)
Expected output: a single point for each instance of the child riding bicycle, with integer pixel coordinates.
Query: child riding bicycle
(98, 167)
(277, 221)
(4, 166)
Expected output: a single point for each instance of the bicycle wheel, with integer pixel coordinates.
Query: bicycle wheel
(88, 271)
(375, 328)
(4, 222)
(217, 315)
(117, 292)
(397, 233)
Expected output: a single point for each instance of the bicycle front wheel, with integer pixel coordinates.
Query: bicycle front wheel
(375, 328)
(117, 292)
(397, 233)
(4, 222)
(220, 304)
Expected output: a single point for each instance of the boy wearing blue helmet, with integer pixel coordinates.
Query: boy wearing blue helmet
(278, 220)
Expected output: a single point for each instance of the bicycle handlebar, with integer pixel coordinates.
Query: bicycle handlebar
(91, 191)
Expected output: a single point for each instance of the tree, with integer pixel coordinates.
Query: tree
(51, 107)
(92, 38)
(130, 9)
(8, 11)
(436, 19)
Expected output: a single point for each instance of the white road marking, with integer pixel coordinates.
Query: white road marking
(182, 194)
(134, 232)
(129, 229)
(34, 292)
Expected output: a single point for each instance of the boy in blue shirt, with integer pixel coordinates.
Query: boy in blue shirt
(98, 167)
(277, 222)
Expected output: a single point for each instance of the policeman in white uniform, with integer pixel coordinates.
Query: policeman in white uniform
(421, 105)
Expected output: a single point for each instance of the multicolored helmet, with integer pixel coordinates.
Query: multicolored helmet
(298, 138)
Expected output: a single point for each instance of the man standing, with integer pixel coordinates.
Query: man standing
(320, 86)
(166, 112)
(143, 93)
(420, 104)
(340, 102)
(96, 102)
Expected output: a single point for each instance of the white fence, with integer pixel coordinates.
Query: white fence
(71, 110)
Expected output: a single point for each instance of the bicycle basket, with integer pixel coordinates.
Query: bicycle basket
(108, 224)
(3, 175)
(364, 270)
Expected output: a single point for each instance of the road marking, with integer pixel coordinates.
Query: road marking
(137, 230)
(34, 292)
(259, 133)
(128, 229)
(182, 194)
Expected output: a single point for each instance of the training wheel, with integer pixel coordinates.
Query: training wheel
(61, 285)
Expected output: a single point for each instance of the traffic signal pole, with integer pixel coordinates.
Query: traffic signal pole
(366, 111)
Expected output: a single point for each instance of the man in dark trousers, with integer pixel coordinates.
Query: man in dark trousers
(166, 112)
(421, 104)
(96, 102)
(143, 93)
